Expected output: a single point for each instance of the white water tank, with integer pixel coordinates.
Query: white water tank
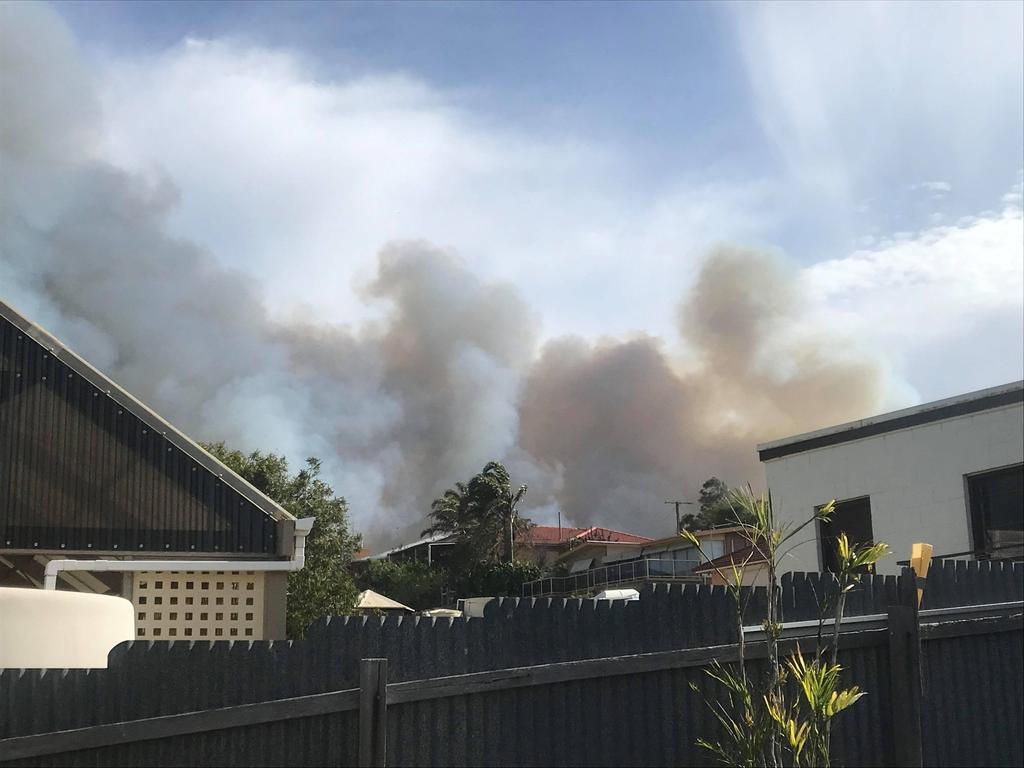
(50, 629)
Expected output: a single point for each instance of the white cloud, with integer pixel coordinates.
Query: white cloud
(945, 304)
(301, 181)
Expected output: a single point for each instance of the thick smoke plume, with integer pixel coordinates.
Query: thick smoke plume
(631, 427)
(448, 379)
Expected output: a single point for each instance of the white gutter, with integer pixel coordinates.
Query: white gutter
(298, 559)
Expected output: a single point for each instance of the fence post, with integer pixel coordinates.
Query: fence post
(373, 712)
(905, 684)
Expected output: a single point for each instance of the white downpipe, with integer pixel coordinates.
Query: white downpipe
(298, 559)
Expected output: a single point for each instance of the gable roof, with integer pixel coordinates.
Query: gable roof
(59, 407)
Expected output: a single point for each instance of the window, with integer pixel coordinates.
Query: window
(996, 501)
(852, 517)
(714, 548)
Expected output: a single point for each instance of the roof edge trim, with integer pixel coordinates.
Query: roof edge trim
(927, 413)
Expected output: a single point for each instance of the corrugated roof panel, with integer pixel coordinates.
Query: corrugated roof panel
(81, 470)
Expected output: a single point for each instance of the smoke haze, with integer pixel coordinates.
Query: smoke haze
(452, 374)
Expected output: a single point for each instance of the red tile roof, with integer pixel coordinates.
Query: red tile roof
(550, 534)
(736, 557)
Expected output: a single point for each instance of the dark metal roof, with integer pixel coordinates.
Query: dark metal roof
(940, 410)
(86, 466)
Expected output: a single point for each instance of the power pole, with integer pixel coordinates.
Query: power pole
(678, 504)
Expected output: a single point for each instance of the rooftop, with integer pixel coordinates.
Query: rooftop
(938, 410)
(118, 394)
(552, 534)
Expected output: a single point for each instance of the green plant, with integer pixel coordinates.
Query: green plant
(788, 711)
(324, 587)
(415, 584)
(483, 514)
(494, 579)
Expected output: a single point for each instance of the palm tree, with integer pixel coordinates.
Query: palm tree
(448, 512)
(501, 504)
(483, 514)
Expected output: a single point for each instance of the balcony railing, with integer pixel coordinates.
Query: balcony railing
(633, 571)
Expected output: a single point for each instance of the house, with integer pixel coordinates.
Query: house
(430, 549)
(99, 494)
(544, 544)
(539, 544)
(593, 566)
(752, 561)
(949, 473)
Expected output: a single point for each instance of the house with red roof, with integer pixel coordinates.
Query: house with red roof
(543, 544)
(540, 544)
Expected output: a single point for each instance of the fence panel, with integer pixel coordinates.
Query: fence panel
(564, 722)
(973, 702)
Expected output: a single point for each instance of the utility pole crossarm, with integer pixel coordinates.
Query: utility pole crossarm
(678, 504)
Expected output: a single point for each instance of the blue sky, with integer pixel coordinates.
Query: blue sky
(607, 146)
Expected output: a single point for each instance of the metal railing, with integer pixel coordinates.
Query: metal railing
(633, 571)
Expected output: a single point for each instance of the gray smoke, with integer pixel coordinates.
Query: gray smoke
(398, 409)
(631, 426)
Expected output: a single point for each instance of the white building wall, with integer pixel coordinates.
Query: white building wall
(914, 477)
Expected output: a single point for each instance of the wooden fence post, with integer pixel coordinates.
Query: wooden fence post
(905, 684)
(373, 713)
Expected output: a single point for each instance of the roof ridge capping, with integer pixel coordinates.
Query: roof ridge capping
(892, 421)
(124, 398)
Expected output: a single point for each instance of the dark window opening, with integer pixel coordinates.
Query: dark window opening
(851, 517)
(996, 502)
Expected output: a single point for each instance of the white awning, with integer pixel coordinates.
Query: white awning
(370, 600)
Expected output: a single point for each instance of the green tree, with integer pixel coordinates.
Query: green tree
(494, 579)
(717, 507)
(714, 497)
(483, 514)
(324, 587)
(415, 584)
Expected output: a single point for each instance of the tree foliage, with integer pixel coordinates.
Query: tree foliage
(324, 586)
(416, 584)
(717, 508)
(494, 579)
(483, 514)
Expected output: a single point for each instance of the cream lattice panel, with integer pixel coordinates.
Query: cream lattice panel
(201, 605)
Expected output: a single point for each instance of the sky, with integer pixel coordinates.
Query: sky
(587, 152)
(590, 157)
